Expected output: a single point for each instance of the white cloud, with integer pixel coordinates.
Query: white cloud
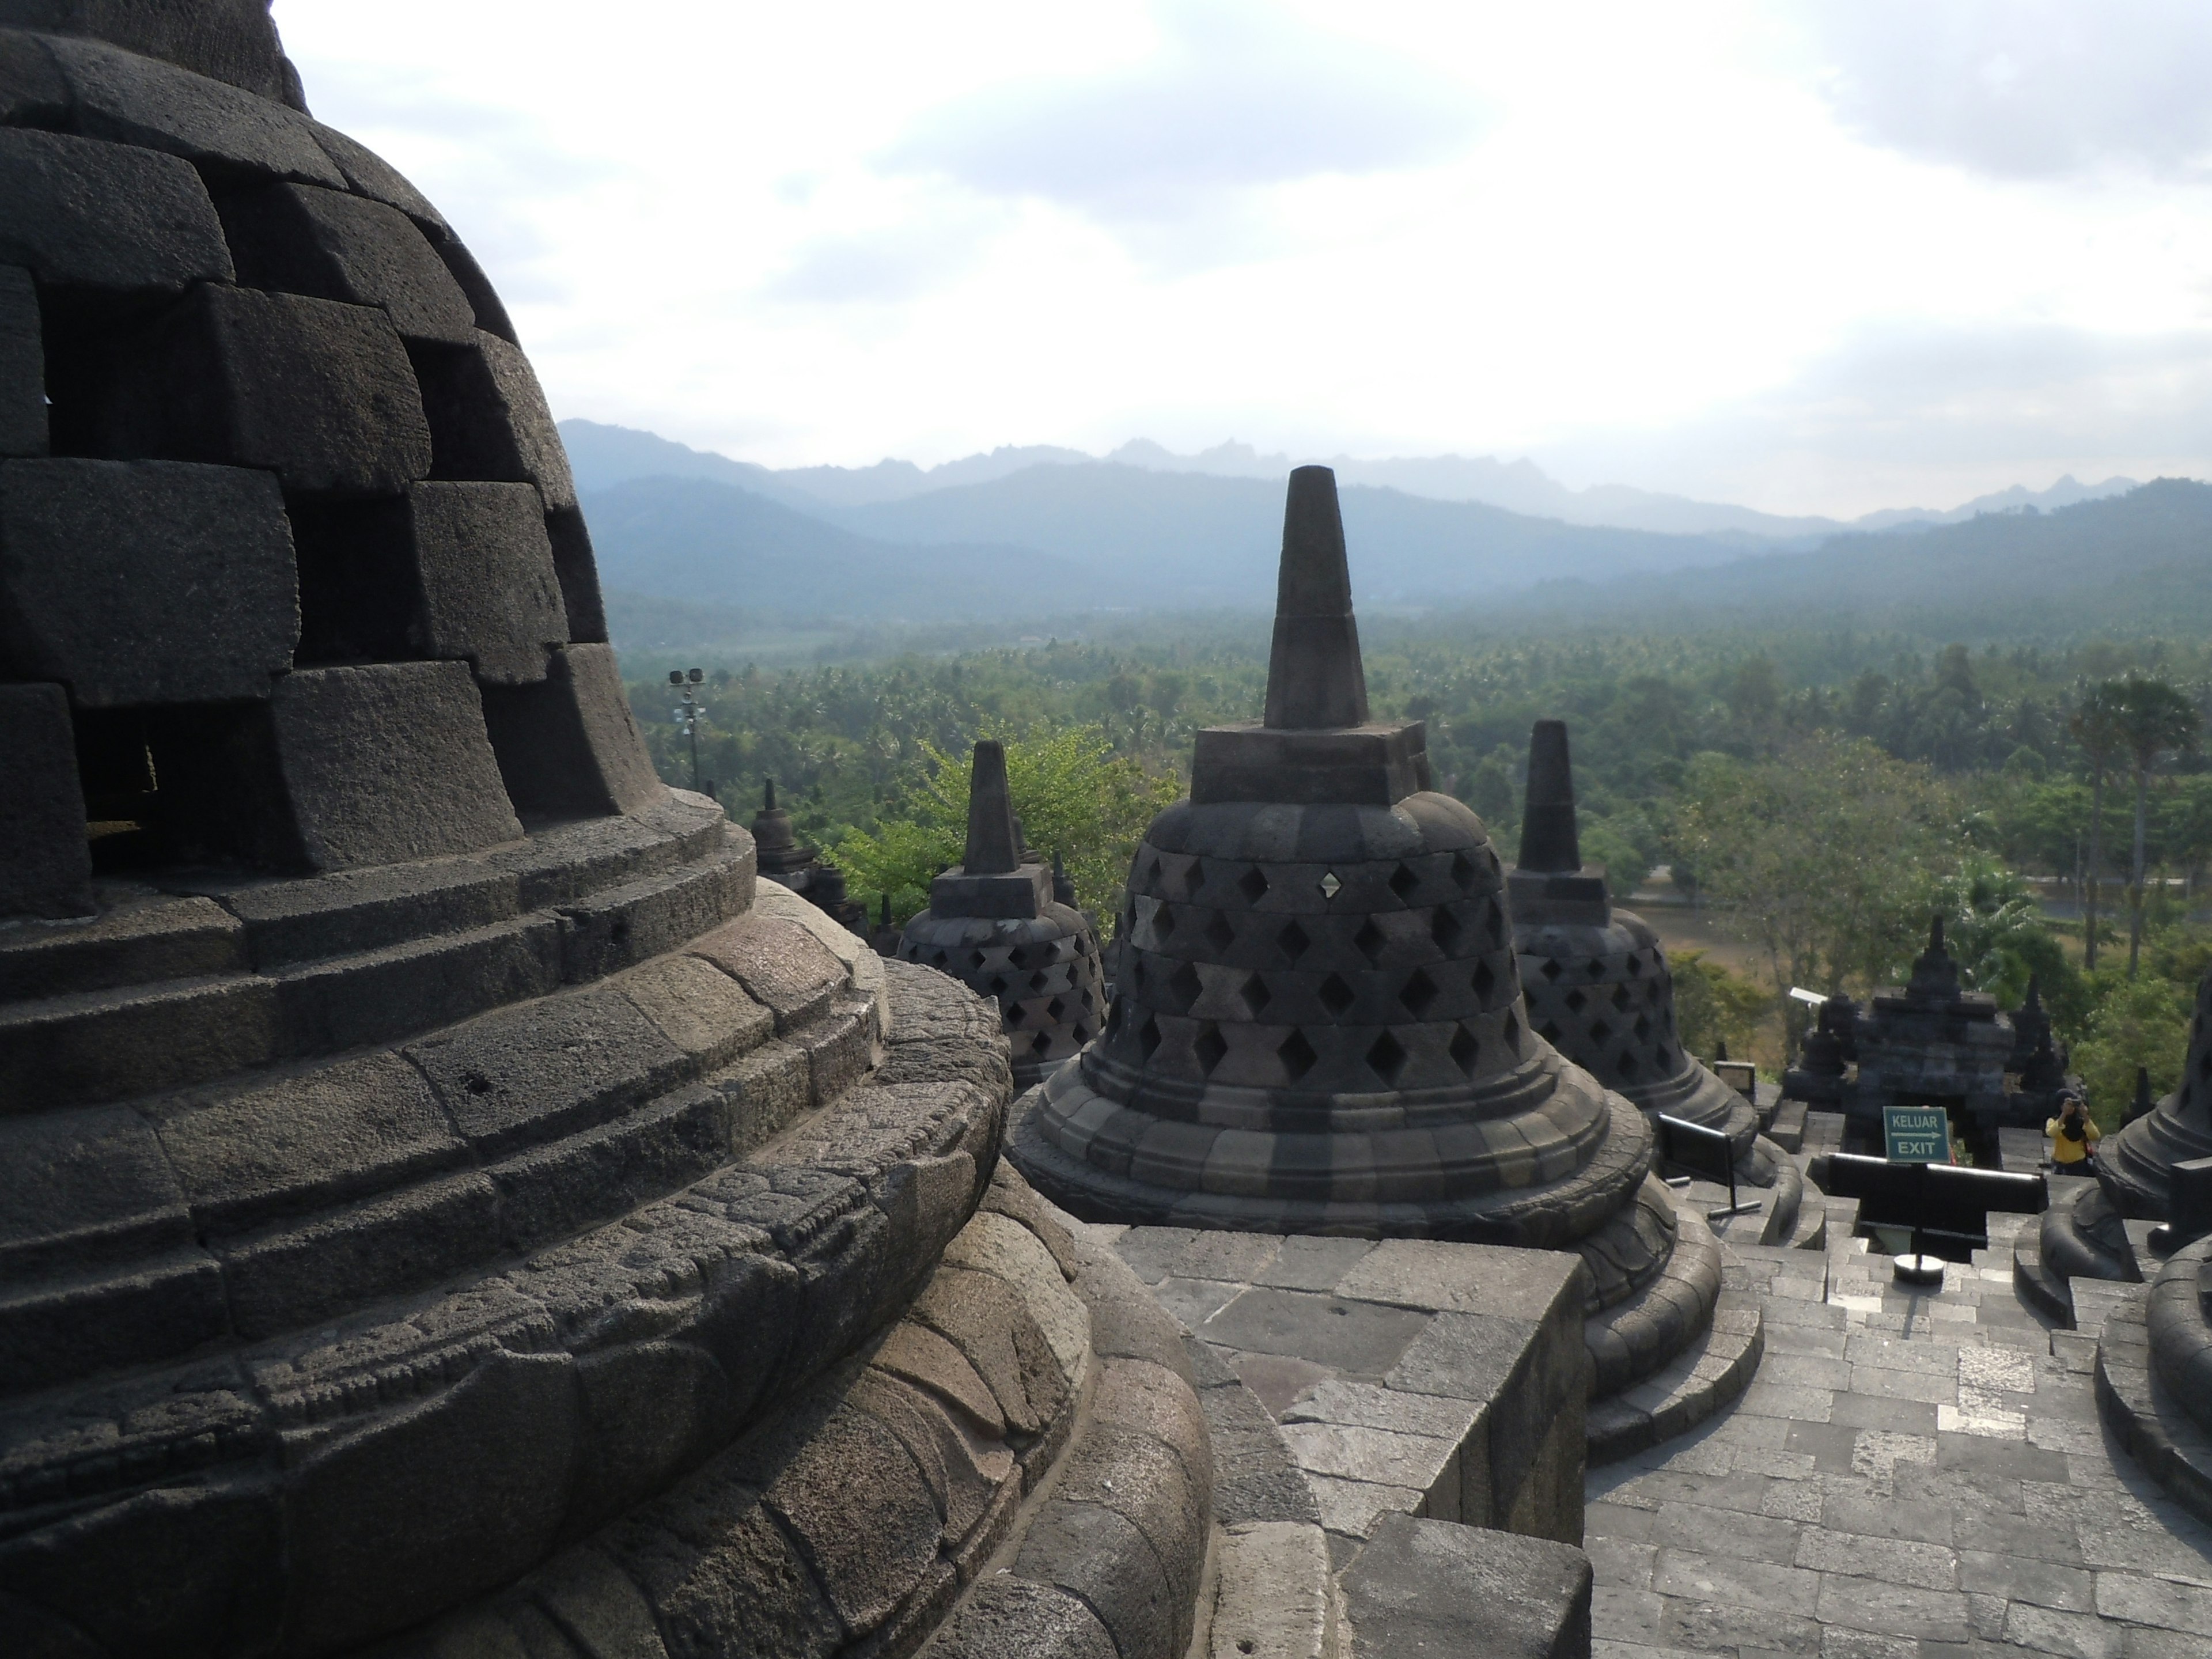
(2024, 88)
(1233, 94)
(1793, 256)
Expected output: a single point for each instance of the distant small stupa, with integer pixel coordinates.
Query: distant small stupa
(994, 923)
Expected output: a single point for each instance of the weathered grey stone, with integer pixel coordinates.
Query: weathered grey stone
(986, 1322)
(249, 1156)
(451, 1497)
(734, 1585)
(783, 966)
(1098, 1554)
(317, 392)
(367, 173)
(134, 100)
(1018, 1619)
(32, 91)
(545, 1068)
(386, 763)
(302, 239)
(261, 1310)
(232, 41)
(46, 869)
(965, 1482)
(138, 582)
(97, 215)
(1430, 1587)
(570, 745)
(491, 313)
(108, 1045)
(611, 930)
(84, 1189)
(288, 1274)
(136, 937)
(384, 994)
(488, 418)
(486, 574)
(23, 367)
(579, 575)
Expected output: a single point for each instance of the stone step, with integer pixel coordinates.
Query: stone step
(2043, 1291)
(2137, 1405)
(115, 1043)
(1812, 1229)
(1787, 1130)
(1698, 1382)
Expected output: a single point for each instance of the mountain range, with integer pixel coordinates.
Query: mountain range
(603, 455)
(1025, 534)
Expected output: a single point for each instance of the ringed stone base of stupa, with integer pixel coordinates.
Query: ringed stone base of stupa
(1648, 1298)
(2154, 1377)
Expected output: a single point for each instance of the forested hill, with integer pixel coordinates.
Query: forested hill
(1056, 539)
(1053, 540)
(697, 540)
(2131, 563)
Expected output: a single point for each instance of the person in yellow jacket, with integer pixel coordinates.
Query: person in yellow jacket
(2073, 1135)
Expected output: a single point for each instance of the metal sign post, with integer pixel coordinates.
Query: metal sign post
(1918, 1135)
(1703, 1151)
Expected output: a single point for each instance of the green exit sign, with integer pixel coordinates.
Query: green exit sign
(1916, 1134)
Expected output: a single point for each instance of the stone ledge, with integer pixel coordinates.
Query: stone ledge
(586, 1377)
(2134, 1399)
(1691, 1388)
(1409, 1376)
(944, 1425)
(86, 1046)
(1420, 1588)
(1121, 1528)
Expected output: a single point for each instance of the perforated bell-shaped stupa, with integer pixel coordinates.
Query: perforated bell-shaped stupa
(1598, 988)
(783, 857)
(1319, 1025)
(995, 924)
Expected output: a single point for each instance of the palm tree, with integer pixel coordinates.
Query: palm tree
(2153, 719)
(2095, 726)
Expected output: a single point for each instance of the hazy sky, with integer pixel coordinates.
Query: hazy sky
(1812, 257)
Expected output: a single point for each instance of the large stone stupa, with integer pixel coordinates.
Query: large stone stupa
(1598, 988)
(450, 1207)
(1319, 1027)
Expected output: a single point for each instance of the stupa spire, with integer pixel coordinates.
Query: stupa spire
(993, 844)
(1315, 679)
(1548, 841)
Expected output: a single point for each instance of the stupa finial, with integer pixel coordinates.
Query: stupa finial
(1548, 841)
(767, 795)
(1315, 680)
(993, 844)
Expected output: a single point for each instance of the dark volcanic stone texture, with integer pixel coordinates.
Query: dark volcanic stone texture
(302, 240)
(568, 746)
(44, 869)
(102, 216)
(138, 582)
(23, 367)
(388, 762)
(320, 393)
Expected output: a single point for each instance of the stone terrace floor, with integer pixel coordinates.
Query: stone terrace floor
(1908, 1477)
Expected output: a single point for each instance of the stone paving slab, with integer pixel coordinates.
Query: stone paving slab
(1911, 1476)
(1439, 1381)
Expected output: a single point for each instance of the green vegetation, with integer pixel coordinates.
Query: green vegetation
(1075, 797)
(1822, 794)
